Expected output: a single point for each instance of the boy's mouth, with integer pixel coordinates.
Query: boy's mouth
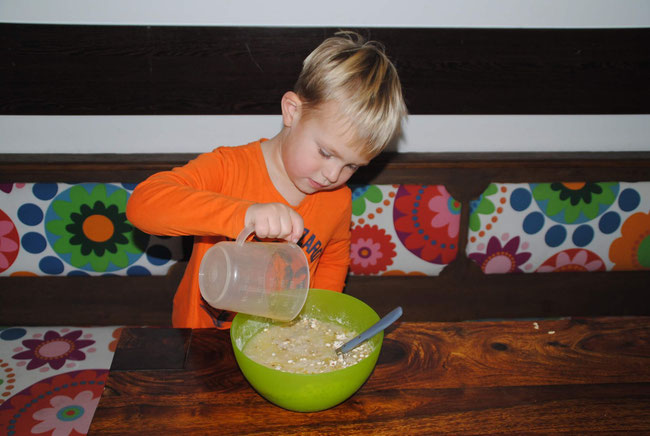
(316, 185)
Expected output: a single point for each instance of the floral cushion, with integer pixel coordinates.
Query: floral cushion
(59, 229)
(553, 227)
(81, 229)
(403, 229)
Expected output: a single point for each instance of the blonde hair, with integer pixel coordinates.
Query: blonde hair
(358, 75)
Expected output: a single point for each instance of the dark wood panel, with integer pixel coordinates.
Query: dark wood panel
(87, 300)
(464, 174)
(461, 293)
(138, 70)
(469, 295)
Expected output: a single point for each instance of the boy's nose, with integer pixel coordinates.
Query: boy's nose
(332, 172)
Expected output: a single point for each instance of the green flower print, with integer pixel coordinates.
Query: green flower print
(481, 206)
(574, 203)
(361, 193)
(87, 227)
(98, 229)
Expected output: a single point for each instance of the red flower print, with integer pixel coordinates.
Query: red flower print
(9, 242)
(63, 404)
(573, 259)
(371, 250)
(426, 220)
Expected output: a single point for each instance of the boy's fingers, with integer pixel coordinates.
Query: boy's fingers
(275, 220)
(298, 227)
(265, 228)
(286, 227)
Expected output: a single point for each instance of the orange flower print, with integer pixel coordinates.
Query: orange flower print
(116, 335)
(632, 250)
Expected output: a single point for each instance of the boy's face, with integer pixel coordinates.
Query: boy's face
(319, 151)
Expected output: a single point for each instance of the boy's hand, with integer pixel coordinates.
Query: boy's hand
(275, 220)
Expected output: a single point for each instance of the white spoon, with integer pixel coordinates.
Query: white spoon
(372, 331)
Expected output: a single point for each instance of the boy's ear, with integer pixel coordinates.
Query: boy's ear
(291, 105)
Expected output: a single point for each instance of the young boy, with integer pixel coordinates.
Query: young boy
(346, 106)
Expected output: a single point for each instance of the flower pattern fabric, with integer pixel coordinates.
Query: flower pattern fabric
(567, 226)
(60, 405)
(403, 229)
(571, 203)
(550, 217)
(67, 414)
(52, 378)
(79, 229)
(86, 225)
(362, 194)
(59, 229)
(9, 242)
(54, 349)
(426, 221)
(447, 212)
(371, 250)
(573, 259)
(481, 206)
(632, 250)
(501, 259)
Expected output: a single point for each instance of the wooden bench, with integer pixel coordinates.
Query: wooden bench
(461, 291)
(107, 70)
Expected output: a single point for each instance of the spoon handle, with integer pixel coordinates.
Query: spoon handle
(372, 331)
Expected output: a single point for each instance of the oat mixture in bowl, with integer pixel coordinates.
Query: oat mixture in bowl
(305, 346)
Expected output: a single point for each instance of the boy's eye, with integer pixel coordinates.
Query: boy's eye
(323, 153)
(353, 167)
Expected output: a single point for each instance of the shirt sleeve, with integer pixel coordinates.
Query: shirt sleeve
(334, 262)
(187, 200)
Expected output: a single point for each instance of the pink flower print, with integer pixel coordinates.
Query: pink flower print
(447, 212)
(501, 259)
(367, 251)
(573, 259)
(54, 349)
(8, 242)
(371, 250)
(67, 414)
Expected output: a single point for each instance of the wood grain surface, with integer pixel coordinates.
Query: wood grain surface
(566, 376)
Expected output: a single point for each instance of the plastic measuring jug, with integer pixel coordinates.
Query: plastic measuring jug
(268, 279)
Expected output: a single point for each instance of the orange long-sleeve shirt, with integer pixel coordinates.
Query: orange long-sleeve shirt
(208, 198)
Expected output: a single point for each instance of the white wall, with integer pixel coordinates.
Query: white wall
(404, 13)
(150, 134)
(423, 133)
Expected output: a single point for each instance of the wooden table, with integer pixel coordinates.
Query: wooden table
(573, 376)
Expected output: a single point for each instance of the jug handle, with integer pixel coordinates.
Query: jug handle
(244, 234)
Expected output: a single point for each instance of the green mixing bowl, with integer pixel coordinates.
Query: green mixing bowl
(309, 392)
